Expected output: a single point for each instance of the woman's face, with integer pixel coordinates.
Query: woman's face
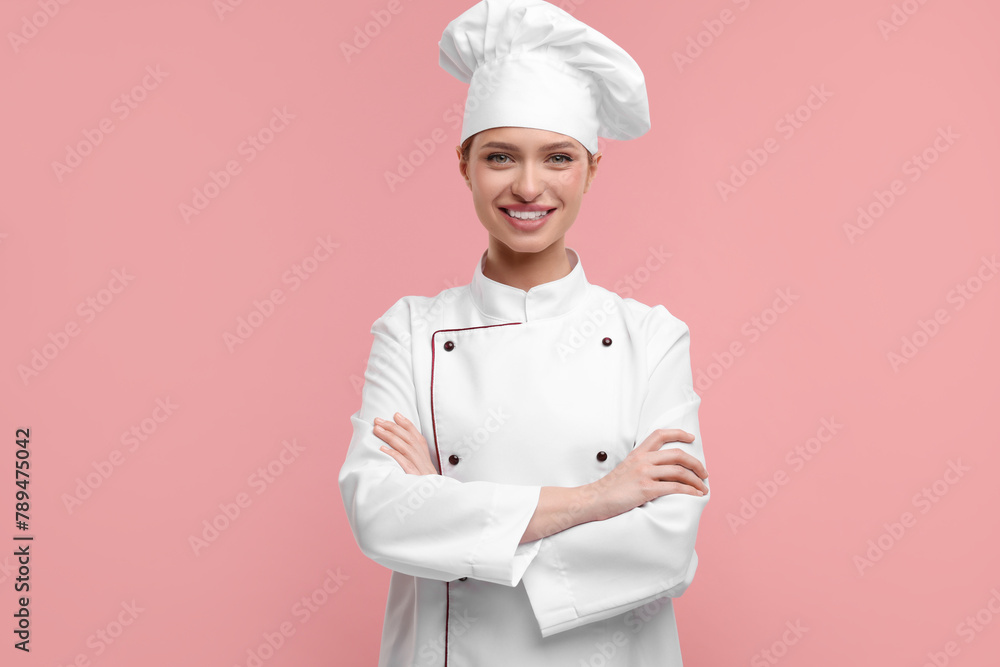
(517, 174)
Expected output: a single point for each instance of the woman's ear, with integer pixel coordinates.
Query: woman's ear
(592, 170)
(463, 167)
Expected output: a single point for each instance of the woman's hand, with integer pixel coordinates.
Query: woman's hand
(405, 444)
(645, 474)
(648, 473)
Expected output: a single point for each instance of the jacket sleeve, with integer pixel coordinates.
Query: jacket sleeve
(600, 569)
(428, 526)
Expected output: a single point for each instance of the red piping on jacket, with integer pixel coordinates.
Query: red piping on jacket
(437, 451)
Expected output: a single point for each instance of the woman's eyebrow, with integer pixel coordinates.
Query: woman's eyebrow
(514, 149)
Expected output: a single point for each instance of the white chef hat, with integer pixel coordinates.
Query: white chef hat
(531, 64)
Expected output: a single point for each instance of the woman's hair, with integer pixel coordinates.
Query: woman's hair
(467, 145)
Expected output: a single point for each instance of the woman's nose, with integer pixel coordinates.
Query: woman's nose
(528, 183)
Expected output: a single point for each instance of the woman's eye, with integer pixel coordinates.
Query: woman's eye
(562, 159)
(492, 157)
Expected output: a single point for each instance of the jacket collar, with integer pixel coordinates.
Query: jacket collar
(512, 304)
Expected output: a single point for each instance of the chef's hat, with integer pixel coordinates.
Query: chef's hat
(531, 64)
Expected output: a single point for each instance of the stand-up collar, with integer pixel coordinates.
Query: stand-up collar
(512, 304)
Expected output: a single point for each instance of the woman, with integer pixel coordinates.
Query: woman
(527, 458)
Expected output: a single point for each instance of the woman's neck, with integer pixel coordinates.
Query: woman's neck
(525, 270)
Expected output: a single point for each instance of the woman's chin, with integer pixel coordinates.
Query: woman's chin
(528, 245)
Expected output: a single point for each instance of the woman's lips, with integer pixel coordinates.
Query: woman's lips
(526, 225)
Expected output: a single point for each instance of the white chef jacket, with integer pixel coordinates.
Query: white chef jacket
(514, 390)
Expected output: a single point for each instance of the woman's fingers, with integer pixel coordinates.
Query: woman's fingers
(403, 462)
(399, 449)
(406, 444)
(679, 457)
(681, 475)
(405, 423)
(405, 432)
(670, 488)
(405, 429)
(660, 436)
(389, 434)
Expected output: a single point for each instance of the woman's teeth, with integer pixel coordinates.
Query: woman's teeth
(526, 215)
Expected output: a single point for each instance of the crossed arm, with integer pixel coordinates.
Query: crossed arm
(647, 473)
(404, 514)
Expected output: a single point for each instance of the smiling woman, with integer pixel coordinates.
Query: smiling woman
(530, 501)
(527, 187)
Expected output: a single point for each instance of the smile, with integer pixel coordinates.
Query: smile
(527, 215)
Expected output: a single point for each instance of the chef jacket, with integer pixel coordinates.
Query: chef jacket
(514, 390)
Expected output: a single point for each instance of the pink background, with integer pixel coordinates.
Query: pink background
(160, 334)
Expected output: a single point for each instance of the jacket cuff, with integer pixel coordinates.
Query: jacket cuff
(557, 609)
(499, 558)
